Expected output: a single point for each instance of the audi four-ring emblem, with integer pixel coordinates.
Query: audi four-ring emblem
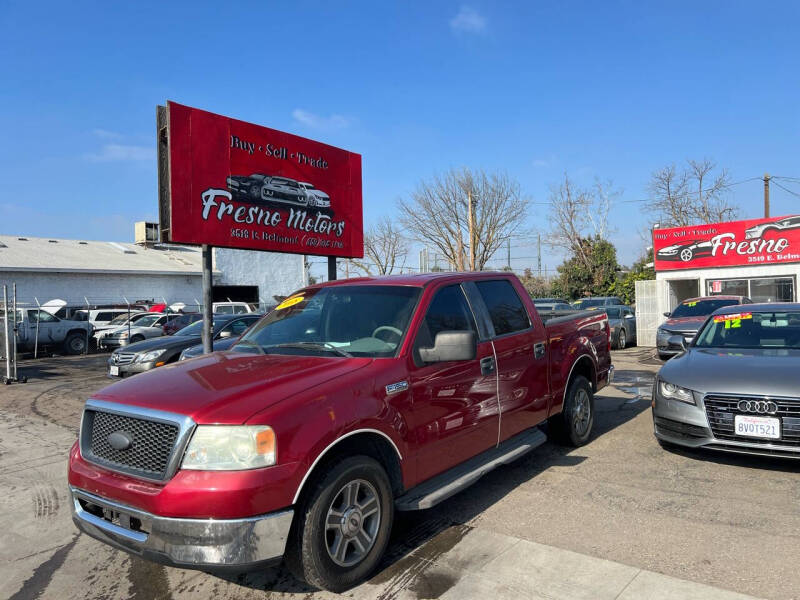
(764, 407)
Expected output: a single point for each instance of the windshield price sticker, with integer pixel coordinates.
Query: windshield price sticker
(290, 302)
(691, 304)
(733, 320)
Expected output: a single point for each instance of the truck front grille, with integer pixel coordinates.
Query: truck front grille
(153, 443)
(721, 411)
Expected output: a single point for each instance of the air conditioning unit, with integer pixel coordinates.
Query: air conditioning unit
(145, 233)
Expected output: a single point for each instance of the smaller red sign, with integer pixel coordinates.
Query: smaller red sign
(750, 242)
(716, 287)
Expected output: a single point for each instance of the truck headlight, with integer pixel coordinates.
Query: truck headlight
(149, 356)
(230, 448)
(675, 392)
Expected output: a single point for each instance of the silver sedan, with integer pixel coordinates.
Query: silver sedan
(734, 388)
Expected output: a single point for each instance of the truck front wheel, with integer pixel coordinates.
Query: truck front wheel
(342, 528)
(573, 425)
(75, 343)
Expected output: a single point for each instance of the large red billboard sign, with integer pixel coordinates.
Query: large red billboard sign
(229, 183)
(752, 242)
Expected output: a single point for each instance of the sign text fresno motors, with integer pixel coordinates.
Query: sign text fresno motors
(239, 185)
(756, 241)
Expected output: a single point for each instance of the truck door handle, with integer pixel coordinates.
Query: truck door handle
(487, 365)
(538, 349)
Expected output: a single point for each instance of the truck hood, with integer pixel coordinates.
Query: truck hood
(762, 372)
(228, 387)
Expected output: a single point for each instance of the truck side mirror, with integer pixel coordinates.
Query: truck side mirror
(451, 345)
(676, 342)
(667, 314)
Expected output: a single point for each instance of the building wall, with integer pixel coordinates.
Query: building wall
(274, 274)
(744, 272)
(100, 288)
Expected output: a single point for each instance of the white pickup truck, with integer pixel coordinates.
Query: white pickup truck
(37, 327)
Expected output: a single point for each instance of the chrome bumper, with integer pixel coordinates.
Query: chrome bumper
(186, 543)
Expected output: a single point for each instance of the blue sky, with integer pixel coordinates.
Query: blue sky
(611, 90)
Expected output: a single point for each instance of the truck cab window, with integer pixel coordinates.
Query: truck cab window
(448, 311)
(505, 308)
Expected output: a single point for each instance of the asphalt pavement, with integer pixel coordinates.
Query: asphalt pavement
(619, 518)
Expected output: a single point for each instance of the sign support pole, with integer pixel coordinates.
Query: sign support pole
(331, 268)
(207, 300)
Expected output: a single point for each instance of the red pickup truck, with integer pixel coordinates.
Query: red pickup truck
(350, 400)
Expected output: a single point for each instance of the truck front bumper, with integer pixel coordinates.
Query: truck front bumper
(185, 543)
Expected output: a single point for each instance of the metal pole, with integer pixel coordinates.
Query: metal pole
(15, 330)
(88, 325)
(207, 300)
(36, 341)
(5, 324)
(766, 195)
(331, 268)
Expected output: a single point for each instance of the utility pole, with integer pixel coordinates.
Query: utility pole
(539, 252)
(508, 253)
(471, 232)
(766, 195)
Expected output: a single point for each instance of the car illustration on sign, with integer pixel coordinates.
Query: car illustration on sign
(686, 251)
(316, 198)
(758, 231)
(247, 186)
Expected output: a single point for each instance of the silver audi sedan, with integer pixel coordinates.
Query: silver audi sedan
(736, 386)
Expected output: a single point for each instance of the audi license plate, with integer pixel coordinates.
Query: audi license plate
(757, 427)
(113, 370)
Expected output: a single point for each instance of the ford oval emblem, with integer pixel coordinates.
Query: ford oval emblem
(120, 440)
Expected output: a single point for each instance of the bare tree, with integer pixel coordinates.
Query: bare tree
(577, 214)
(437, 214)
(385, 250)
(690, 196)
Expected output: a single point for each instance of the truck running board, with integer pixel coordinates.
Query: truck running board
(444, 485)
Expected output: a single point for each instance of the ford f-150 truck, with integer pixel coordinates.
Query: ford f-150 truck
(350, 400)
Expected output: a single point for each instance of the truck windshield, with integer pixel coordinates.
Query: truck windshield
(751, 330)
(346, 320)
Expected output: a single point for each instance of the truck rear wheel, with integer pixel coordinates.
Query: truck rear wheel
(75, 343)
(342, 528)
(573, 425)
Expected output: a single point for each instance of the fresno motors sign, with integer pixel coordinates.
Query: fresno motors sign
(752, 242)
(224, 182)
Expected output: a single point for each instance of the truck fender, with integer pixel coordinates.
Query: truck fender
(331, 445)
(587, 364)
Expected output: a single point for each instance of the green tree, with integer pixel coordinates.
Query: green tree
(641, 270)
(591, 272)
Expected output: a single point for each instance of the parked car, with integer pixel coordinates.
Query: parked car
(118, 323)
(231, 308)
(538, 301)
(218, 345)
(101, 318)
(34, 324)
(352, 399)
(552, 306)
(180, 321)
(687, 318)
(623, 326)
(157, 352)
(597, 302)
(316, 198)
(145, 328)
(686, 251)
(734, 387)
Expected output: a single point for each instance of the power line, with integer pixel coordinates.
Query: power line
(786, 189)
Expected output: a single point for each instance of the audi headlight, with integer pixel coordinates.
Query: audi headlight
(230, 448)
(675, 392)
(150, 356)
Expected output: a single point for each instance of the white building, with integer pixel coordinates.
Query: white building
(113, 272)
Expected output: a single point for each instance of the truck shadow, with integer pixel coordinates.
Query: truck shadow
(419, 537)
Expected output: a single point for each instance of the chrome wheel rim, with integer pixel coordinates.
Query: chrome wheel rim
(352, 523)
(582, 412)
(686, 255)
(621, 342)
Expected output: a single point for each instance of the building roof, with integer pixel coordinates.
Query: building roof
(51, 255)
